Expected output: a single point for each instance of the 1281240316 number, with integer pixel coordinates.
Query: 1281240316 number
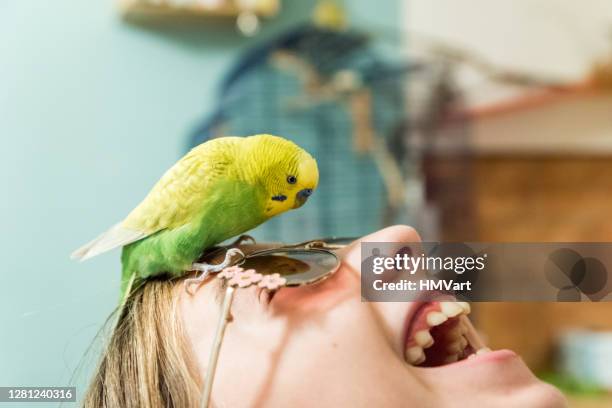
(32, 394)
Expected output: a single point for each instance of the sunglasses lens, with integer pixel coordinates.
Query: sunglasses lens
(298, 266)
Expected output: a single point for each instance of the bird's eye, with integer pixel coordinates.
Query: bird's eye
(291, 179)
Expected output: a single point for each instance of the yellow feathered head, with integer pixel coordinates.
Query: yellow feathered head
(286, 172)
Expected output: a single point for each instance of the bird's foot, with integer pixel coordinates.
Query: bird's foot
(205, 269)
(242, 239)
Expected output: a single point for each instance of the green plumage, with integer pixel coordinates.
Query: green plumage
(233, 208)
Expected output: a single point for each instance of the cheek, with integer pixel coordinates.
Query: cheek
(344, 285)
(308, 338)
(277, 207)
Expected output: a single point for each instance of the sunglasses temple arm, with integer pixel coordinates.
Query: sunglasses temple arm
(224, 319)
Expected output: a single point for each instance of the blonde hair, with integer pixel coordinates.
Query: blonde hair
(148, 361)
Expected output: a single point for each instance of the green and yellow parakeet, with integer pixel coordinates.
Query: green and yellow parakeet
(220, 189)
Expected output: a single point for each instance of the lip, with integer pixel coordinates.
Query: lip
(409, 320)
(492, 357)
(413, 310)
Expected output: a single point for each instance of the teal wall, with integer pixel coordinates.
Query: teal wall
(92, 111)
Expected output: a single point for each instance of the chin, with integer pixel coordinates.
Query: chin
(495, 379)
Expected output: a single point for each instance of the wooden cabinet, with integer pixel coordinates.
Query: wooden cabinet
(542, 199)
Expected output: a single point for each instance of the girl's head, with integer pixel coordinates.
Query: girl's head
(317, 345)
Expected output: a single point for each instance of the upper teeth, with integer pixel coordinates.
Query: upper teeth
(465, 306)
(436, 318)
(415, 355)
(451, 309)
(447, 309)
(422, 339)
(457, 346)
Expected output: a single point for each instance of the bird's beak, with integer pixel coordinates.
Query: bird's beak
(301, 197)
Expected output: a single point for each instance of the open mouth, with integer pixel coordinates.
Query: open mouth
(440, 333)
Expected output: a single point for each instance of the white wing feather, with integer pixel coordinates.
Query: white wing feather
(177, 195)
(115, 237)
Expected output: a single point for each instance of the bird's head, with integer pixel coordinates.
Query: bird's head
(287, 174)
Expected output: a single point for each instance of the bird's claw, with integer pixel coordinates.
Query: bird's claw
(241, 239)
(194, 281)
(205, 269)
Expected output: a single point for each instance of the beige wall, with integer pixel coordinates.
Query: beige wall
(559, 38)
(572, 124)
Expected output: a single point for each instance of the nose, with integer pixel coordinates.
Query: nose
(304, 194)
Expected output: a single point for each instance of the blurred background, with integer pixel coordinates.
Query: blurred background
(480, 120)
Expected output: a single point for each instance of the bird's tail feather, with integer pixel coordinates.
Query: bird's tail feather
(115, 237)
(126, 290)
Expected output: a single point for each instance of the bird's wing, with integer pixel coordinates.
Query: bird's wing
(113, 238)
(171, 203)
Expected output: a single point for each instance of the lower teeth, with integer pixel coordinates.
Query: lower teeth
(483, 350)
(467, 345)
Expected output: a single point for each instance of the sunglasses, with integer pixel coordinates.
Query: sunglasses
(269, 266)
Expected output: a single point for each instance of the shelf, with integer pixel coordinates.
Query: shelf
(195, 8)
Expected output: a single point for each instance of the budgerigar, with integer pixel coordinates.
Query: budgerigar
(220, 189)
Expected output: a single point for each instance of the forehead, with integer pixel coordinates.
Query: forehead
(308, 170)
